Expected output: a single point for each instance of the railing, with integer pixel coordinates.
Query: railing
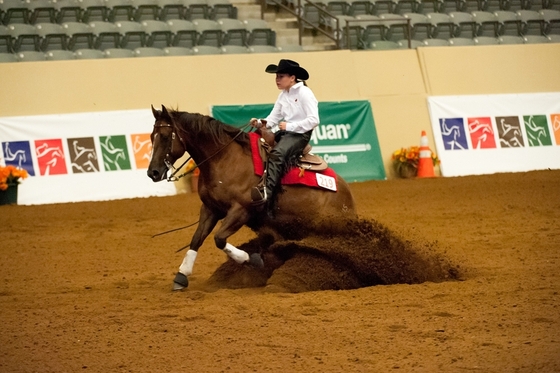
(335, 33)
(301, 21)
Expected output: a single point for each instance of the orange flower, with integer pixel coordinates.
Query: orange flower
(11, 175)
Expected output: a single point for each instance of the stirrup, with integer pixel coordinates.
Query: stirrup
(258, 197)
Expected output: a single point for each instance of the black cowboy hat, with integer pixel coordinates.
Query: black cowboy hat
(288, 67)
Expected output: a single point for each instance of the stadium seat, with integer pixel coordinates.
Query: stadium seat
(403, 44)
(206, 49)
(218, 9)
(486, 40)
(464, 25)
(372, 29)
(5, 40)
(532, 22)
(535, 39)
(510, 39)
(178, 51)
(120, 10)
(59, 55)
(88, 54)
(233, 32)
(486, 23)
(396, 27)
(508, 23)
(362, 7)
(106, 34)
(312, 13)
(260, 33)
(495, 5)
(13, 11)
(551, 19)
(170, 9)
(148, 52)
(407, 6)
(183, 33)
(234, 49)
(554, 38)
(8, 57)
(145, 10)
(472, 5)
(132, 34)
(41, 11)
(384, 7)
(209, 32)
(79, 35)
(68, 11)
(420, 26)
(449, 6)
(158, 33)
(93, 10)
(436, 43)
(53, 36)
(30, 56)
(383, 45)
(118, 53)
(460, 42)
(441, 25)
(195, 9)
(24, 37)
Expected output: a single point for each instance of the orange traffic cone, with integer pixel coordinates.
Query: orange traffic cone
(425, 162)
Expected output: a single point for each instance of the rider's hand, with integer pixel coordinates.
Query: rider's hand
(255, 123)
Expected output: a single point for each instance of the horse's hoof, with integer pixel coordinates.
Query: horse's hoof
(256, 261)
(180, 282)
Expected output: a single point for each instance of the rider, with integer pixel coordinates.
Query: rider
(293, 118)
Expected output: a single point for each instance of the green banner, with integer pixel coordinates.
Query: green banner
(346, 137)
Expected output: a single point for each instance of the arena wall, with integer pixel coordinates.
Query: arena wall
(396, 83)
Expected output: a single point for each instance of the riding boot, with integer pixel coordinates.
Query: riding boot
(273, 175)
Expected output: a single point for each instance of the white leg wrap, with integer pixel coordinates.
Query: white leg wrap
(188, 262)
(234, 253)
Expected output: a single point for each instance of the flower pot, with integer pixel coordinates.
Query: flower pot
(407, 171)
(9, 196)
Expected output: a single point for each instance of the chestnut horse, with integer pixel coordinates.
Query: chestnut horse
(223, 155)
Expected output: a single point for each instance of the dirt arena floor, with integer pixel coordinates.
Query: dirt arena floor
(85, 288)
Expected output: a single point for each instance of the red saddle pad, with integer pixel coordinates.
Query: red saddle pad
(293, 176)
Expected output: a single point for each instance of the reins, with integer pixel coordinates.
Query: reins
(172, 177)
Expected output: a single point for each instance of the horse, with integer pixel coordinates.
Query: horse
(223, 155)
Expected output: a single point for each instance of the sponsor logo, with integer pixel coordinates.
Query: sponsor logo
(80, 155)
(505, 131)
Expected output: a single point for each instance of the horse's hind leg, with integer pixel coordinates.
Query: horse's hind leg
(206, 223)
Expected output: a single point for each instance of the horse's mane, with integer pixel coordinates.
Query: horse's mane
(198, 124)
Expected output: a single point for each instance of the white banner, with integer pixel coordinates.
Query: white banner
(81, 157)
(496, 133)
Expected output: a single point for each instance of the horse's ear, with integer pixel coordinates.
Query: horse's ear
(156, 113)
(165, 113)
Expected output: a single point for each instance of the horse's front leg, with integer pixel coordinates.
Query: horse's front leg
(207, 222)
(234, 220)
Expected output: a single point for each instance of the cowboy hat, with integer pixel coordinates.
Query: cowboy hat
(288, 67)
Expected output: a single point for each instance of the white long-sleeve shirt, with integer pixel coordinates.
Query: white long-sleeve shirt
(297, 107)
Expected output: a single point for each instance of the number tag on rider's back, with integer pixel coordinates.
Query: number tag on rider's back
(327, 182)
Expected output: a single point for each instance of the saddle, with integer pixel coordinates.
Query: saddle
(306, 161)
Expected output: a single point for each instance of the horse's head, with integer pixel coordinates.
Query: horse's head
(167, 146)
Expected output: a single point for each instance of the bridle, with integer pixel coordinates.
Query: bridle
(167, 159)
(174, 137)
